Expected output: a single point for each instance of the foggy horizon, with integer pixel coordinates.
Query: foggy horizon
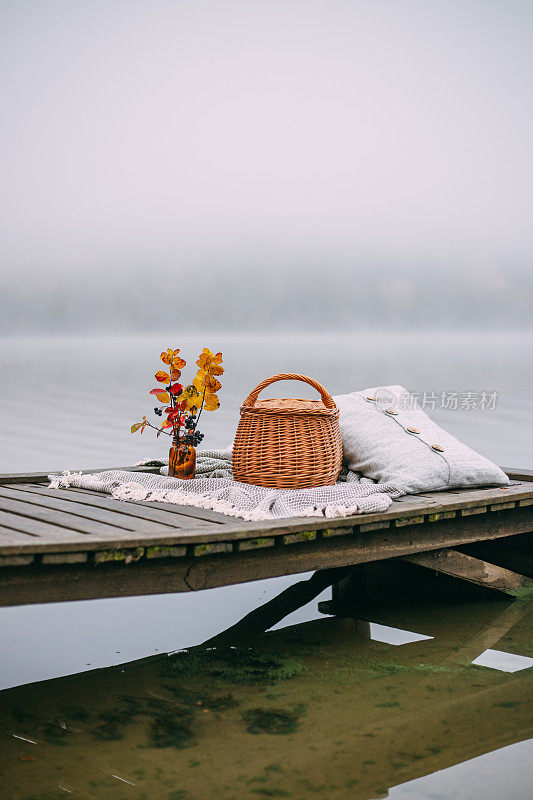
(249, 165)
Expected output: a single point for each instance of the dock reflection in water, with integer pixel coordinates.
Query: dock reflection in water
(319, 709)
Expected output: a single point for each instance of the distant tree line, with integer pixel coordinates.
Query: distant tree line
(261, 299)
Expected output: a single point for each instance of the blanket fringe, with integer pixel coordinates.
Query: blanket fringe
(132, 490)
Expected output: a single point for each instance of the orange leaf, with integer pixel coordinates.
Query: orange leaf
(135, 428)
(211, 384)
(168, 356)
(167, 424)
(162, 377)
(209, 362)
(211, 402)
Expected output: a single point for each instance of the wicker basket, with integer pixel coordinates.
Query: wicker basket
(288, 444)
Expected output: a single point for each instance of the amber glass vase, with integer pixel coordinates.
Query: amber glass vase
(181, 460)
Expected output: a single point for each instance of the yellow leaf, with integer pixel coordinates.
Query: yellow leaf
(135, 428)
(162, 376)
(163, 397)
(198, 381)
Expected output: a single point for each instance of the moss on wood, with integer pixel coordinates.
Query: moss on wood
(127, 556)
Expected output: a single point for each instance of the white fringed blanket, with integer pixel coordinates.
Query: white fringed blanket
(214, 488)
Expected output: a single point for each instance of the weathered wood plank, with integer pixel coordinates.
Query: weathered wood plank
(64, 558)
(447, 501)
(141, 510)
(9, 536)
(108, 516)
(60, 520)
(491, 525)
(255, 544)
(35, 531)
(474, 570)
(433, 502)
(15, 561)
(518, 474)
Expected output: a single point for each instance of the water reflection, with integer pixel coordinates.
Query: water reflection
(323, 708)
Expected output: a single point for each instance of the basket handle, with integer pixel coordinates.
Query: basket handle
(289, 376)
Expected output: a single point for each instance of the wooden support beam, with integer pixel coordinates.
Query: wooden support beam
(474, 570)
(509, 556)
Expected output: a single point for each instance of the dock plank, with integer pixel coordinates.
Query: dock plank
(94, 514)
(108, 516)
(233, 530)
(44, 533)
(106, 502)
(61, 519)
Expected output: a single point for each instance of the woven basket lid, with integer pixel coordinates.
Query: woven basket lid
(325, 407)
(290, 405)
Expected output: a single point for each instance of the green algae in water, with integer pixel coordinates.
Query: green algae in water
(172, 729)
(273, 768)
(112, 724)
(192, 698)
(78, 714)
(55, 732)
(240, 666)
(274, 721)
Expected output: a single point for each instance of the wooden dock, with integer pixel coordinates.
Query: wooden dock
(77, 544)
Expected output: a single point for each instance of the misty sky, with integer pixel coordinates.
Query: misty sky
(289, 133)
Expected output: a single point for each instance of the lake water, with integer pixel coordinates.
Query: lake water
(322, 706)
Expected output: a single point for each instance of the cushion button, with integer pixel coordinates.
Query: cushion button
(438, 448)
(390, 411)
(413, 430)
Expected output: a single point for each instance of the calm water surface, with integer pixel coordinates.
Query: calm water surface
(319, 706)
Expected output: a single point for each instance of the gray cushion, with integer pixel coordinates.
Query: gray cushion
(377, 443)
